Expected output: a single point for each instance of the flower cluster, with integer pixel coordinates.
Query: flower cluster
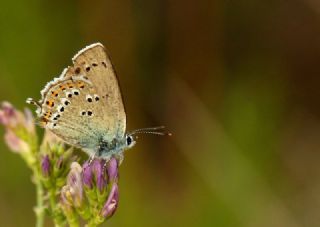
(68, 192)
(91, 192)
(54, 166)
(20, 135)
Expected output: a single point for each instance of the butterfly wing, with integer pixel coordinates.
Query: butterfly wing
(84, 105)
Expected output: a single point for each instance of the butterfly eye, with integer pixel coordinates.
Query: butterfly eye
(129, 140)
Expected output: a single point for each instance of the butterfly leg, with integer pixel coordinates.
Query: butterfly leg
(92, 158)
(106, 160)
(104, 167)
(120, 158)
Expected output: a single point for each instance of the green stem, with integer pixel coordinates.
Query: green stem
(56, 212)
(52, 199)
(74, 223)
(95, 221)
(91, 223)
(72, 219)
(31, 159)
(39, 209)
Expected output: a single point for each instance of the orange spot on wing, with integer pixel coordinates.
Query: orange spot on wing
(44, 121)
(47, 114)
(70, 85)
(80, 84)
(55, 93)
(50, 103)
(62, 87)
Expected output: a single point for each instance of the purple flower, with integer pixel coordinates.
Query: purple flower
(59, 163)
(66, 199)
(100, 176)
(8, 115)
(103, 194)
(111, 205)
(19, 127)
(11, 118)
(87, 175)
(112, 168)
(15, 143)
(74, 181)
(94, 172)
(46, 166)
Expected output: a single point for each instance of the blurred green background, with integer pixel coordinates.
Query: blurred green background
(236, 82)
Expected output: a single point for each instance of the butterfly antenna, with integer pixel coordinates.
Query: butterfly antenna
(152, 130)
(148, 129)
(33, 102)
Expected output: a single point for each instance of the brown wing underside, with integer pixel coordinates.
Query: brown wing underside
(92, 76)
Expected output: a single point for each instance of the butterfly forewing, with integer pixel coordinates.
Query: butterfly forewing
(84, 105)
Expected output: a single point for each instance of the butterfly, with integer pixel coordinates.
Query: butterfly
(84, 106)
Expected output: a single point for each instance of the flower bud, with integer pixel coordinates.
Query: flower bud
(8, 115)
(87, 175)
(112, 168)
(20, 131)
(12, 118)
(74, 181)
(46, 166)
(66, 196)
(15, 143)
(98, 171)
(59, 163)
(66, 200)
(111, 205)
